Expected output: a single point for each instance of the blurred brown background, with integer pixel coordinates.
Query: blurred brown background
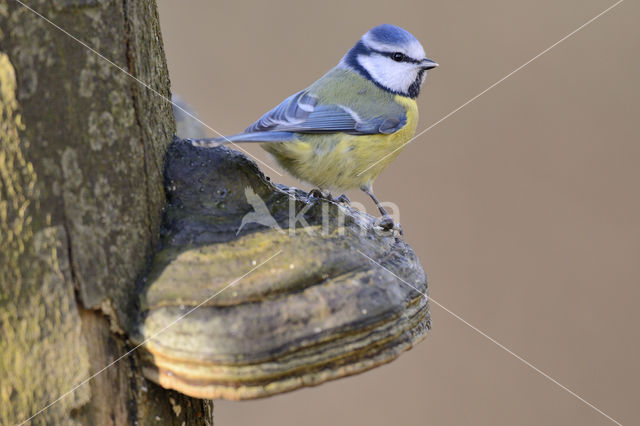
(523, 207)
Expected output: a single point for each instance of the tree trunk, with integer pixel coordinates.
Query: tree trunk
(81, 196)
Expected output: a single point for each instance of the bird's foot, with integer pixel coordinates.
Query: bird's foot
(387, 224)
(343, 199)
(318, 193)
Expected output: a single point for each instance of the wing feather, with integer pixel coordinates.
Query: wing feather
(301, 113)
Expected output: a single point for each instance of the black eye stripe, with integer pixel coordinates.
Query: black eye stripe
(390, 55)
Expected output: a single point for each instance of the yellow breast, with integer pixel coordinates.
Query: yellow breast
(340, 161)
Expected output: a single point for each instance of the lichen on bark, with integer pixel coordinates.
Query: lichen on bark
(81, 200)
(39, 320)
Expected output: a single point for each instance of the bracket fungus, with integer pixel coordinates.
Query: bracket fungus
(260, 289)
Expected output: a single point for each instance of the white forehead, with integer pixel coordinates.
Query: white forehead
(411, 48)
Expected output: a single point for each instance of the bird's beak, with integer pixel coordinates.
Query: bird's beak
(428, 64)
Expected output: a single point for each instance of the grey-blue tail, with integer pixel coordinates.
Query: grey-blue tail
(261, 137)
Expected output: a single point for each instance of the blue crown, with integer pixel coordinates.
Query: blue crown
(390, 34)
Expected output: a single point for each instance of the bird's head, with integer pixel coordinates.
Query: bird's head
(390, 57)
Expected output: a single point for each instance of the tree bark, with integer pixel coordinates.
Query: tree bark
(81, 197)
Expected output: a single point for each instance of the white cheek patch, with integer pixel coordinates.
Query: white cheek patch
(396, 76)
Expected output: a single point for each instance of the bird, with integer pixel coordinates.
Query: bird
(344, 129)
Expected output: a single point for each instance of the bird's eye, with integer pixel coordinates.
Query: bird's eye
(398, 57)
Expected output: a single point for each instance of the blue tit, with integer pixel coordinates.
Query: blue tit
(344, 129)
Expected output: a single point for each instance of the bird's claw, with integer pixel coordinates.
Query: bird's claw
(321, 195)
(387, 224)
(316, 193)
(343, 199)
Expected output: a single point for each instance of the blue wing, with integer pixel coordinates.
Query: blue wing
(300, 113)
